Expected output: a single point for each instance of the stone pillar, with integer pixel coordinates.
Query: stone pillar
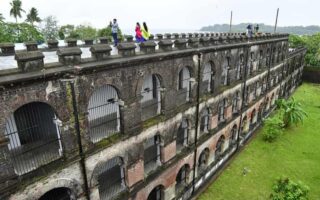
(31, 46)
(175, 35)
(170, 192)
(69, 56)
(30, 60)
(103, 40)
(159, 36)
(100, 51)
(71, 42)
(180, 43)
(148, 47)
(127, 49)
(165, 45)
(88, 41)
(193, 42)
(129, 38)
(168, 36)
(52, 44)
(204, 41)
(7, 49)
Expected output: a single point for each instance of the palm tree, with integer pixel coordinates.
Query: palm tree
(33, 16)
(1, 18)
(16, 9)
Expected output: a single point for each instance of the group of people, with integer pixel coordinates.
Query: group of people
(250, 30)
(142, 32)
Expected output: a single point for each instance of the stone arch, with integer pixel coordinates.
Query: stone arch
(34, 136)
(220, 147)
(205, 120)
(61, 193)
(253, 117)
(203, 159)
(208, 73)
(183, 134)
(184, 84)
(157, 193)
(182, 178)
(104, 115)
(233, 135)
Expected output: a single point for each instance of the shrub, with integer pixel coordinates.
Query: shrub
(273, 129)
(291, 111)
(106, 32)
(285, 189)
(16, 33)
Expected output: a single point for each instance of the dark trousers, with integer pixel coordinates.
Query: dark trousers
(115, 38)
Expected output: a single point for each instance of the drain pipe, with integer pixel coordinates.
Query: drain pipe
(196, 124)
(77, 128)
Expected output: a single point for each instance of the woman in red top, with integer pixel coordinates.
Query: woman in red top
(138, 33)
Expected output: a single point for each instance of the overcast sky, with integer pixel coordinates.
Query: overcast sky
(172, 14)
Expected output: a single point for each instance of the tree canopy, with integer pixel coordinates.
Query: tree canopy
(16, 9)
(33, 16)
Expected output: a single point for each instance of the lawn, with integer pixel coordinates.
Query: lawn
(295, 154)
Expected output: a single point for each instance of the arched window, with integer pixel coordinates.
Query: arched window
(246, 96)
(255, 94)
(208, 77)
(60, 193)
(267, 105)
(182, 178)
(268, 57)
(244, 126)
(222, 106)
(156, 193)
(203, 160)
(260, 112)
(253, 119)
(151, 97)
(219, 148)
(184, 84)
(34, 137)
(104, 113)
(204, 123)
(272, 99)
(182, 135)
(225, 72)
(240, 67)
(233, 135)
(151, 153)
(235, 103)
(111, 178)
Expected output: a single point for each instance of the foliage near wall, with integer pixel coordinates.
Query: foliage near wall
(15, 33)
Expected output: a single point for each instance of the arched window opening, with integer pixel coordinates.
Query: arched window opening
(235, 103)
(208, 77)
(240, 67)
(253, 118)
(220, 147)
(104, 113)
(272, 99)
(204, 123)
(246, 96)
(225, 72)
(255, 93)
(260, 59)
(182, 178)
(111, 178)
(267, 105)
(203, 160)
(157, 193)
(260, 112)
(184, 84)
(151, 153)
(233, 135)
(151, 97)
(222, 106)
(268, 57)
(244, 126)
(34, 137)
(60, 193)
(182, 135)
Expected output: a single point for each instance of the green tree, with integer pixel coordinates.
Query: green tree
(16, 9)
(84, 32)
(285, 189)
(33, 16)
(50, 28)
(65, 31)
(16, 33)
(106, 32)
(273, 128)
(291, 111)
(1, 18)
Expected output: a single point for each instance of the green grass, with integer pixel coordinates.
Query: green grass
(295, 154)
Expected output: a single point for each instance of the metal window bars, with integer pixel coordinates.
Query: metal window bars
(182, 135)
(34, 137)
(151, 153)
(111, 179)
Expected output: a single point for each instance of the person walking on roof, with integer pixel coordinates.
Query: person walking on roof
(138, 33)
(249, 30)
(145, 32)
(114, 31)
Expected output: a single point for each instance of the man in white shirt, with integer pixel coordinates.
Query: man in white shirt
(114, 31)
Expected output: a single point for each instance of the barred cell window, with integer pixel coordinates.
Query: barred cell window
(156, 193)
(151, 153)
(34, 137)
(182, 135)
(182, 178)
(151, 97)
(208, 77)
(233, 135)
(103, 113)
(111, 178)
(203, 160)
(235, 102)
(220, 148)
(204, 123)
(184, 84)
(222, 107)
